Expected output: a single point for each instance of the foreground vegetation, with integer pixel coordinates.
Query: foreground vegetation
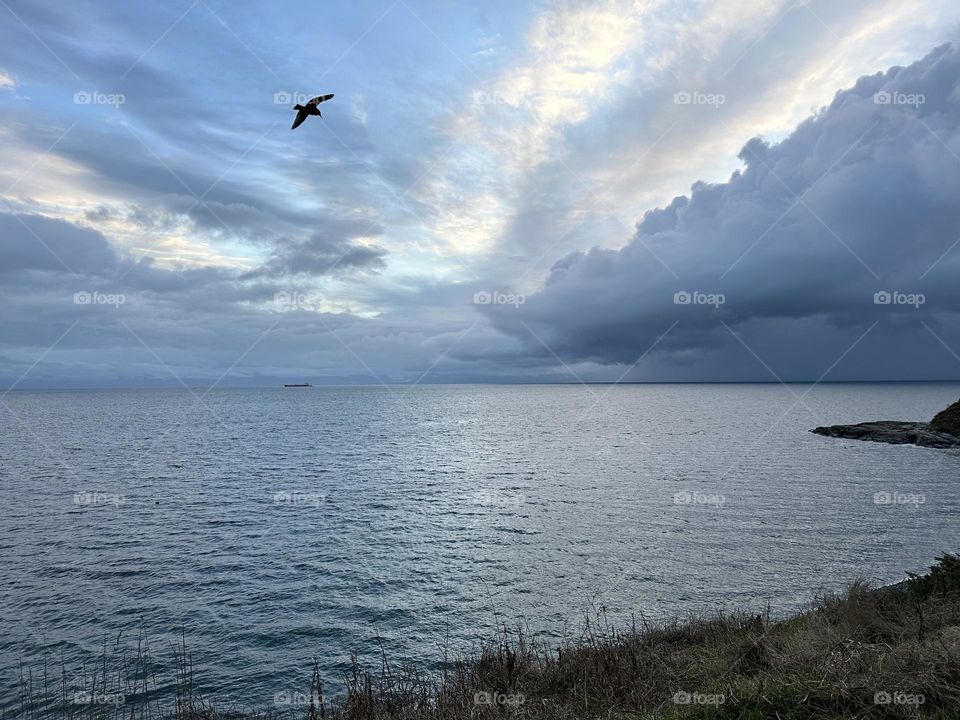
(867, 653)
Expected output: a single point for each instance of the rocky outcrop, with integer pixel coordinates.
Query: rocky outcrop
(948, 420)
(894, 432)
(941, 432)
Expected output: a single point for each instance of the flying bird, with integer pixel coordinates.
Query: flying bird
(309, 109)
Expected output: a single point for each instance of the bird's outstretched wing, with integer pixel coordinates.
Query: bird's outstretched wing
(319, 99)
(301, 116)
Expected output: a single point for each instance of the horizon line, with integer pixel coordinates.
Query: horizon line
(280, 386)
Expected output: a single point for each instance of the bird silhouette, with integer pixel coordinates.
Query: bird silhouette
(309, 109)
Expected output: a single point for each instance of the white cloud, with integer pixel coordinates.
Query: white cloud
(574, 58)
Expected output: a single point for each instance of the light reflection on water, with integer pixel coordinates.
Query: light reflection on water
(279, 525)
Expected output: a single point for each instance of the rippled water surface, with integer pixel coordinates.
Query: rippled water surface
(278, 525)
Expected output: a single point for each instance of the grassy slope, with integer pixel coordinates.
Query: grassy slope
(841, 658)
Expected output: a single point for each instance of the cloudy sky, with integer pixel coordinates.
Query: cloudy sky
(560, 191)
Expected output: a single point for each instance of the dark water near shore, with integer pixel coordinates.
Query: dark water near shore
(275, 526)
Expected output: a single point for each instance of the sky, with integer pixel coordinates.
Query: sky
(658, 190)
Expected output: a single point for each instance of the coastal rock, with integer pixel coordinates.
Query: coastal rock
(948, 420)
(894, 432)
(941, 432)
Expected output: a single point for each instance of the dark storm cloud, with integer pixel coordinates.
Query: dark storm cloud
(33, 242)
(861, 198)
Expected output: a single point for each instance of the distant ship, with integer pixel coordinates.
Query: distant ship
(298, 385)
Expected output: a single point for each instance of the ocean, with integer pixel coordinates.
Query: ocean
(272, 528)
